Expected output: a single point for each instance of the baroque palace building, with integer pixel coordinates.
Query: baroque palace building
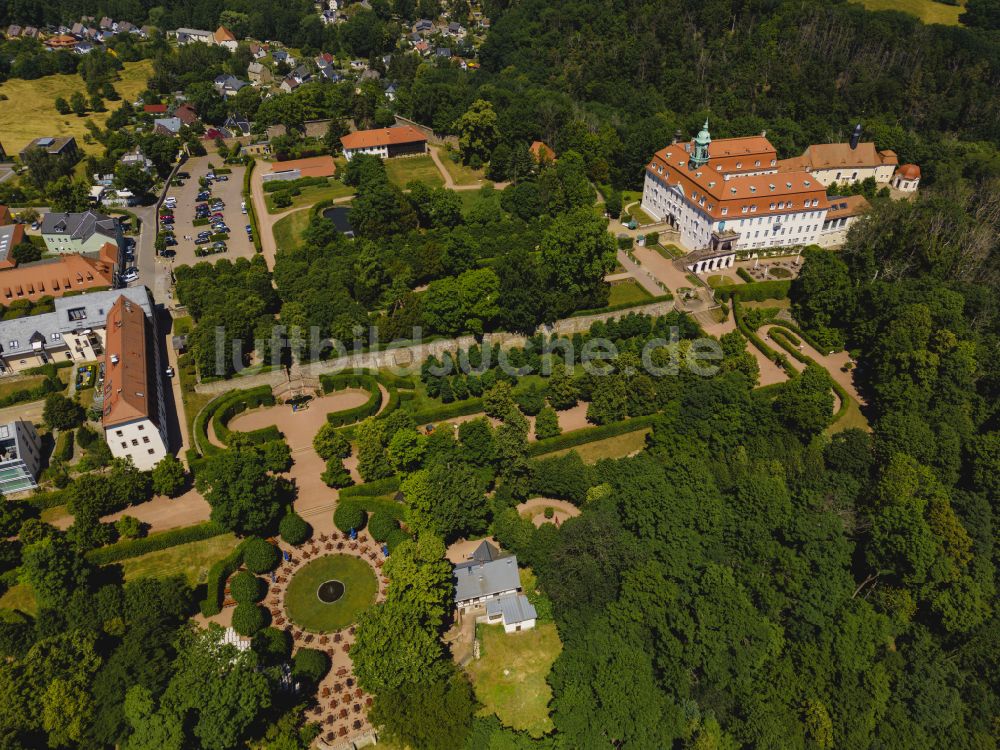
(734, 195)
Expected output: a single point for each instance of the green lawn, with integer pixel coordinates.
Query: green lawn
(927, 11)
(472, 198)
(29, 111)
(670, 252)
(460, 173)
(630, 292)
(618, 446)
(19, 597)
(852, 418)
(192, 560)
(312, 195)
(304, 606)
(640, 216)
(509, 677)
(8, 387)
(404, 169)
(288, 231)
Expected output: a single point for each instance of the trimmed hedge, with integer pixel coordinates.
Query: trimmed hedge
(246, 588)
(154, 542)
(767, 351)
(448, 411)
(218, 574)
(589, 435)
(396, 537)
(372, 489)
(666, 297)
(248, 619)
(260, 556)
(343, 381)
(381, 524)
(64, 446)
(349, 516)
(758, 291)
(279, 186)
(842, 394)
(226, 406)
(45, 500)
(745, 275)
(294, 529)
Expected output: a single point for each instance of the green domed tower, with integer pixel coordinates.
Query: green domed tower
(701, 142)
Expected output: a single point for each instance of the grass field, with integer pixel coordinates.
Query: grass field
(612, 447)
(8, 387)
(670, 252)
(413, 168)
(288, 231)
(509, 677)
(312, 195)
(639, 215)
(927, 11)
(852, 418)
(460, 173)
(305, 608)
(29, 111)
(19, 597)
(630, 292)
(191, 560)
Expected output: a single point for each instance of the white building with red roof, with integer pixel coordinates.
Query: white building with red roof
(387, 143)
(728, 195)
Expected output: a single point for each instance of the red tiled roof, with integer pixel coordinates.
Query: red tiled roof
(126, 377)
(909, 172)
(154, 109)
(54, 278)
(313, 166)
(382, 137)
(541, 151)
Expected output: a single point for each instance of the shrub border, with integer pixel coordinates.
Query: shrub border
(589, 435)
(130, 548)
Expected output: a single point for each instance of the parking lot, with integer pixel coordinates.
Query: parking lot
(238, 245)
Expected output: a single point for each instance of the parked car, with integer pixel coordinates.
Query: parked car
(219, 245)
(204, 195)
(249, 229)
(170, 372)
(170, 199)
(202, 241)
(243, 207)
(169, 241)
(222, 178)
(184, 175)
(130, 275)
(218, 214)
(167, 217)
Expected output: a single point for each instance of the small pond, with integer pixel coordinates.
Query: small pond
(339, 215)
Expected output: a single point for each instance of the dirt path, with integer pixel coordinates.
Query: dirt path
(450, 183)
(162, 512)
(300, 427)
(831, 362)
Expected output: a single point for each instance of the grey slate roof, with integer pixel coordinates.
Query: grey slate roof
(515, 608)
(79, 226)
(477, 579)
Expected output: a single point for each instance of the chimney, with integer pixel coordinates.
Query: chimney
(677, 137)
(855, 136)
(763, 134)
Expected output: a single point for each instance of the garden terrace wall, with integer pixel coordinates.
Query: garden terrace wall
(589, 435)
(155, 542)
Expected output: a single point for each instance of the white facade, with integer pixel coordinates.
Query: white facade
(757, 229)
(851, 175)
(383, 151)
(140, 440)
(905, 184)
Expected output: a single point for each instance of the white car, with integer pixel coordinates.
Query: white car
(130, 275)
(170, 372)
(243, 207)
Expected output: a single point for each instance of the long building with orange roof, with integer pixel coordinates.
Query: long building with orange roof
(133, 404)
(402, 140)
(55, 277)
(727, 195)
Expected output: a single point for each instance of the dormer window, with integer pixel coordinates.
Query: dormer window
(753, 188)
(725, 211)
(772, 207)
(739, 165)
(788, 185)
(753, 209)
(773, 162)
(757, 163)
(745, 209)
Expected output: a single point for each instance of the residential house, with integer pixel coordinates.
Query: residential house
(390, 92)
(331, 75)
(126, 27)
(444, 52)
(20, 457)
(134, 411)
(5, 216)
(30, 32)
(79, 232)
(455, 29)
(55, 277)
(907, 178)
(84, 48)
(13, 31)
(289, 84)
(282, 56)
(328, 17)
(227, 85)
(187, 36)
(61, 41)
(77, 30)
(257, 72)
(186, 114)
(422, 47)
(488, 586)
(302, 74)
(167, 125)
(106, 23)
(136, 158)
(146, 31)
(237, 124)
(223, 37)
(324, 60)
(541, 152)
(423, 26)
(258, 50)
(11, 235)
(358, 64)
(72, 332)
(154, 109)
(387, 143)
(58, 146)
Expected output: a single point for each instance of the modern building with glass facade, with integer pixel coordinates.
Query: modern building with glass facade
(20, 457)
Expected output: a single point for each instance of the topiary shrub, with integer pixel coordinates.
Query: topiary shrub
(395, 538)
(260, 556)
(310, 664)
(272, 645)
(294, 529)
(550, 512)
(246, 588)
(250, 618)
(381, 525)
(348, 517)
